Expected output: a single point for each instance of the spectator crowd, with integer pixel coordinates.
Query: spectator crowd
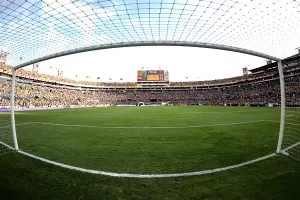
(52, 79)
(259, 89)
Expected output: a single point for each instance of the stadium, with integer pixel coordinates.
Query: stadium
(155, 137)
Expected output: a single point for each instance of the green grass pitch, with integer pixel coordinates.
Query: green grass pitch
(149, 140)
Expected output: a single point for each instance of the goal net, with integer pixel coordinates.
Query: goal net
(6, 139)
(291, 138)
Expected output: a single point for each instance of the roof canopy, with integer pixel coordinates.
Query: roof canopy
(288, 60)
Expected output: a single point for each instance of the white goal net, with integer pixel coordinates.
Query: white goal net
(6, 139)
(291, 138)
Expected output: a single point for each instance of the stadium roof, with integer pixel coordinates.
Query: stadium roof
(32, 29)
(287, 60)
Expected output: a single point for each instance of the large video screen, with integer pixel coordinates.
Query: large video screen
(152, 75)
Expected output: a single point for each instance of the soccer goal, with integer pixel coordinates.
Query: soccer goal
(288, 87)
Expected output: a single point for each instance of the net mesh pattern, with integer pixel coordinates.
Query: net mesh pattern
(291, 139)
(30, 29)
(6, 138)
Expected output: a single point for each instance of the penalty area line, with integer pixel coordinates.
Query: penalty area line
(147, 127)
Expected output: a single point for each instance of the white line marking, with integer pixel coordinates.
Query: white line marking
(290, 147)
(147, 127)
(292, 124)
(126, 175)
(9, 126)
(292, 111)
(5, 127)
(183, 113)
(6, 145)
(292, 120)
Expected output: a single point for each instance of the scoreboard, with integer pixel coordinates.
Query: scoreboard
(153, 75)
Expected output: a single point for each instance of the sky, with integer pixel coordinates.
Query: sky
(123, 63)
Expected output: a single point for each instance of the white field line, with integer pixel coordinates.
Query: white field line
(183, 113)
(6, 145)
(292, 111)
(290, 147)
(9, 126)
(293, 120)
(3, 127)
(126, 175)
(292, 124)
(204, 112)
(146, 127)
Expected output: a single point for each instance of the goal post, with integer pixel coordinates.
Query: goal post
(282, 106)
(288, 138)
(289, 132)
(12, 109)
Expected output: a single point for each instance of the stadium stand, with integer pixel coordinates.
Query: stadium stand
(260, 88)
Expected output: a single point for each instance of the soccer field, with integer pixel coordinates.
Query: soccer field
(150, 140)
